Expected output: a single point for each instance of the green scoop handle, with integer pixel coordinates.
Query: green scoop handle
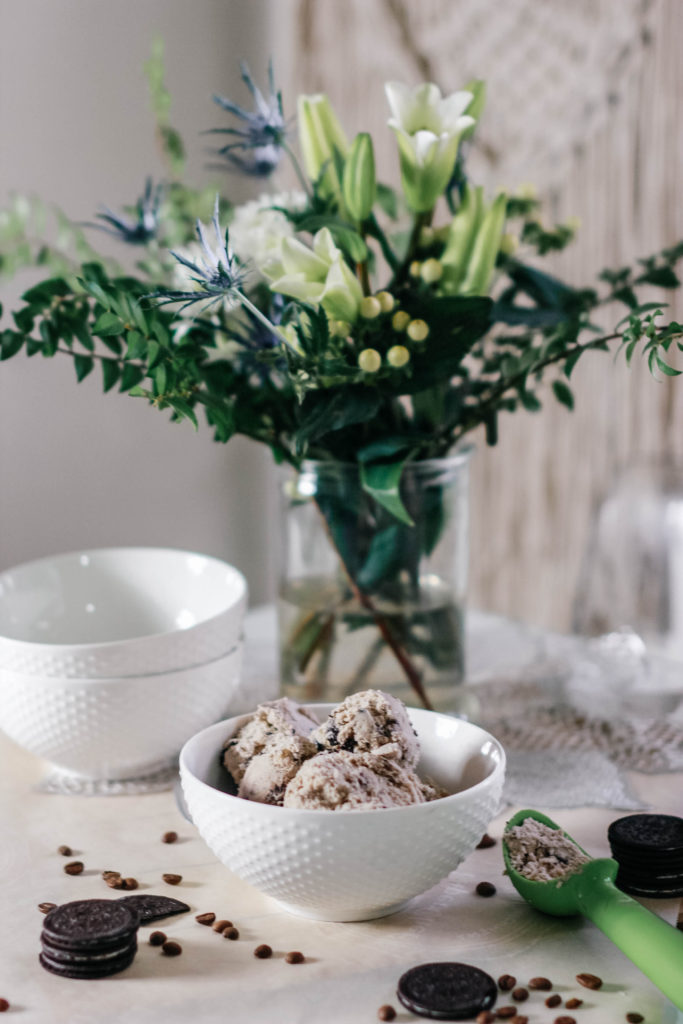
(653, 945)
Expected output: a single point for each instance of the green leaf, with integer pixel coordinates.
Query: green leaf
(107, 325)
(382, 480)
(664, 367)
(160, 378)
(384, 557)
(10, 343)
(137, 346)
(42, 293)
(83, 366)
(563, 394)
(130, 376)
(322, 412)
(153, 353)
(662, 277)
(385, 447)
(387, 201)
(571, 361)
(184, 411)
(110, 373)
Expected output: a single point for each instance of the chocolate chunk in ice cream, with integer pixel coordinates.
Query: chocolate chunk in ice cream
(371, 722)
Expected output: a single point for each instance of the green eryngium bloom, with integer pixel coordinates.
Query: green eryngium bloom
(428, 128)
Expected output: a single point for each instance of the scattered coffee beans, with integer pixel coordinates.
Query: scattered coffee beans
(263, 952)
(65, 851)
(589, 981)
(541, 984)
(115, 882)
(520, 994)
(553, 1000)
(483, 844)
(171, 948)
(220, 926)
(486, 889)
(565, 1020)
(634, 1018)
(230, 933)
(573, 1003)
(207, 918)
(45, 908)
(157, 939)
(387, 1012)
(485, 1017)
(506, 982)
(295, 957)
(506, 1012)
(169, 837)
(74, 867)
(172, 879)
(4, 1005)
(129, 884)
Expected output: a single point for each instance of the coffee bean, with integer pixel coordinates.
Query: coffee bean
(263, 951)
(231, 933)
(4, 1005)
(506, 1012)
(486, 889)
(74, 867)
(172, 879)
(169, 837)
(506, 982)
(171, 948)
(207, 918)
(110, 874)
(634, 1018)
(114, 882)
(589, 981)
(157, 939)
(129, 884)
(45, 908)
(295, 957)
(387, 1012)
(484, 843)
(573, 1004)
(65, 851)
(485, 1017)
(519, 1019)
(220, 926)
(565, 1020)
(520, 994)
(541, 984)
(553, 1000)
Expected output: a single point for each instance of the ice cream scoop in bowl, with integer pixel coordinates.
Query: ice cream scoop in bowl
(349, 865)
(583, 885)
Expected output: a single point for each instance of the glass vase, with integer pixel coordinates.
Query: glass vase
(365, 600)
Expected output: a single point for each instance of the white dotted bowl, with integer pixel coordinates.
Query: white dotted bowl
(119, 612)
(116, 729)
(350, 865)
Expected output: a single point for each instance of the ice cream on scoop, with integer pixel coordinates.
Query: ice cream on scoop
(269, 750)
(371, 721)
(343, 781)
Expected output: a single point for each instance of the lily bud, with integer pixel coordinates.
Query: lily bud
(461, 237)
(486, 247)
(358, 183)
(322, 141)
(476, 105)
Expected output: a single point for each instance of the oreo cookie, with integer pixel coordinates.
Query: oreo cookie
(649, 851)
(89, 938)
(447, 991)
(153, 908)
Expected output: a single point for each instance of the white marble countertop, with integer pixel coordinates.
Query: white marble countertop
(350, 969)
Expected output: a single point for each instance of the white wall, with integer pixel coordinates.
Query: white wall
(78, 468)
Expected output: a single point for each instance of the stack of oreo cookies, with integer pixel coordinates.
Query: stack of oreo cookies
(89, 938)
(649, 851)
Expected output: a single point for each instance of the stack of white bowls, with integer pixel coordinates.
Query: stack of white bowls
(111, 659)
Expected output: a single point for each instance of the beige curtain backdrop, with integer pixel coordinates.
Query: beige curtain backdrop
(584, 98)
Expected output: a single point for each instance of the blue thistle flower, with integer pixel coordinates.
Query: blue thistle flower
(256, 147)
(217, 277)
(144, 227)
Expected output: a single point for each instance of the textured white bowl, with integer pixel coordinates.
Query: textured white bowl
(350, 865)
(116, 729)
(119, 612)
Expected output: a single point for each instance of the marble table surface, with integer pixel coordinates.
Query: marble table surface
(350, 969)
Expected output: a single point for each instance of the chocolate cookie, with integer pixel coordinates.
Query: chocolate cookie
(89, 938)
(153, 908)
(447, 991)
(649, 851)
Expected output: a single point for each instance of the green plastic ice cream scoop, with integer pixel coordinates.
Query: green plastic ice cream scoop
(653, 945)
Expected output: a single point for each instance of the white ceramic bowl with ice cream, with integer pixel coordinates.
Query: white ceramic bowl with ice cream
(349, 865)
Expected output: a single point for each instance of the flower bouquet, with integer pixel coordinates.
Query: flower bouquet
(361, 331)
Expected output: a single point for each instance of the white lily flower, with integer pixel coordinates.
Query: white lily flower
(428, 127)
(319, 275)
